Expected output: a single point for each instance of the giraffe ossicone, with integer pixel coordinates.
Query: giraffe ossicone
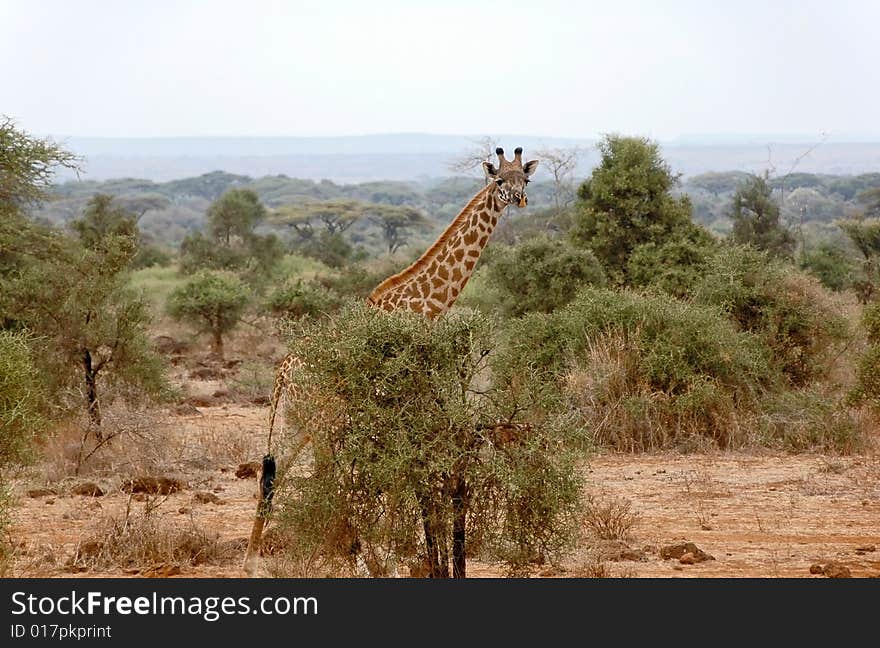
(430, 285)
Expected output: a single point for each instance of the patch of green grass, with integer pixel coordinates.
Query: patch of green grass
(157, 283)
(296, 265)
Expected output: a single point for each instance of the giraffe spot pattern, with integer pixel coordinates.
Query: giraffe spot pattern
(434, 290)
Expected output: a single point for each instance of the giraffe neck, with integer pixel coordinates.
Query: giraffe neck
(435, 280)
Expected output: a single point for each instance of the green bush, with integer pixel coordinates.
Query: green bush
(302, 299)
(333, 250)
(652, 370)
(91, 323)
(831, 265)
(541, 275)
(801, 322)
(677, 341)
(608, 389)
(213, 300)
(871, 322)
(358, 280)
(812, 419)
(150, 255)
(21, 398)
(230, 241)
(21, 416)
(867, 387)
(628, 202)
(755, 215)
(674, 266)
(403, 417)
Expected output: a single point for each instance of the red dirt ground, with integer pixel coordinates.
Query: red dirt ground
(758, 514)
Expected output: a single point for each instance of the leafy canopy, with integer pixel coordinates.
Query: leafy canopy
(212, 300)
(755, 216)
(541, 275)
(627, 202)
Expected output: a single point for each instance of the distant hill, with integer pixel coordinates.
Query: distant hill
(412, 156)
(389, 144)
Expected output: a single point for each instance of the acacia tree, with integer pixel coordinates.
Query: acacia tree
(627, 203)
(139, 205)
(755, 216)
(336, 216)
(103, 218)
(230, 241)
(72, 295)
(92, 325)
(332, 218)
(105, 215)
(28, 165)
(214, 301)
(412, 459)
(397, 223)
(561, 162)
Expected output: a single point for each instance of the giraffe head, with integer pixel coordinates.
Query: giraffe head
(510, 177)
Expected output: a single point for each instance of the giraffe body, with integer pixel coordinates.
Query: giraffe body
(429, 286)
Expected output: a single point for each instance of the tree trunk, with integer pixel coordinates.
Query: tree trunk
(443, 550)
(92, 393)
(217, 343)
(435, 567)
(459, 517)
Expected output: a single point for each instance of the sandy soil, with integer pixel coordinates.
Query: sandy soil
(758, 514)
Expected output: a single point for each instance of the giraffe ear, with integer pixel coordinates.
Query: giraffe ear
(490, 169)
(529, 167)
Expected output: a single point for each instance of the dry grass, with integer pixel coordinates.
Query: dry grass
(303, 565)
(144, 539)
(133, 443)
(253, 382)
(593, 569)
(213, 446)
(138, 443)
(833, 466)
(289, 558)
(596, 568)
(609, 518)
(257, 341)
(811, 419)
(610, 395)
(608, 390)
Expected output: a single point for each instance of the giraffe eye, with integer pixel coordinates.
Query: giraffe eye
(499, 182)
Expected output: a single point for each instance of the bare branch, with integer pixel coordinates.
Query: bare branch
(472, 160)
(561, 163)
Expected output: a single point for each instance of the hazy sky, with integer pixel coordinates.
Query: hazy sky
(572, 69)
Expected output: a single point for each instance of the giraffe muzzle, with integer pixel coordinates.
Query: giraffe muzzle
(523, 201)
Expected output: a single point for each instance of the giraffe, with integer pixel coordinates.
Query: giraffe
(429, 286)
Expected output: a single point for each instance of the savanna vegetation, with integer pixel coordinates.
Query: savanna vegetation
(632, 309)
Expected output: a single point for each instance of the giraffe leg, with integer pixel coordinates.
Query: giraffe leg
(252, 555)
(283, 388)
(264, 499)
